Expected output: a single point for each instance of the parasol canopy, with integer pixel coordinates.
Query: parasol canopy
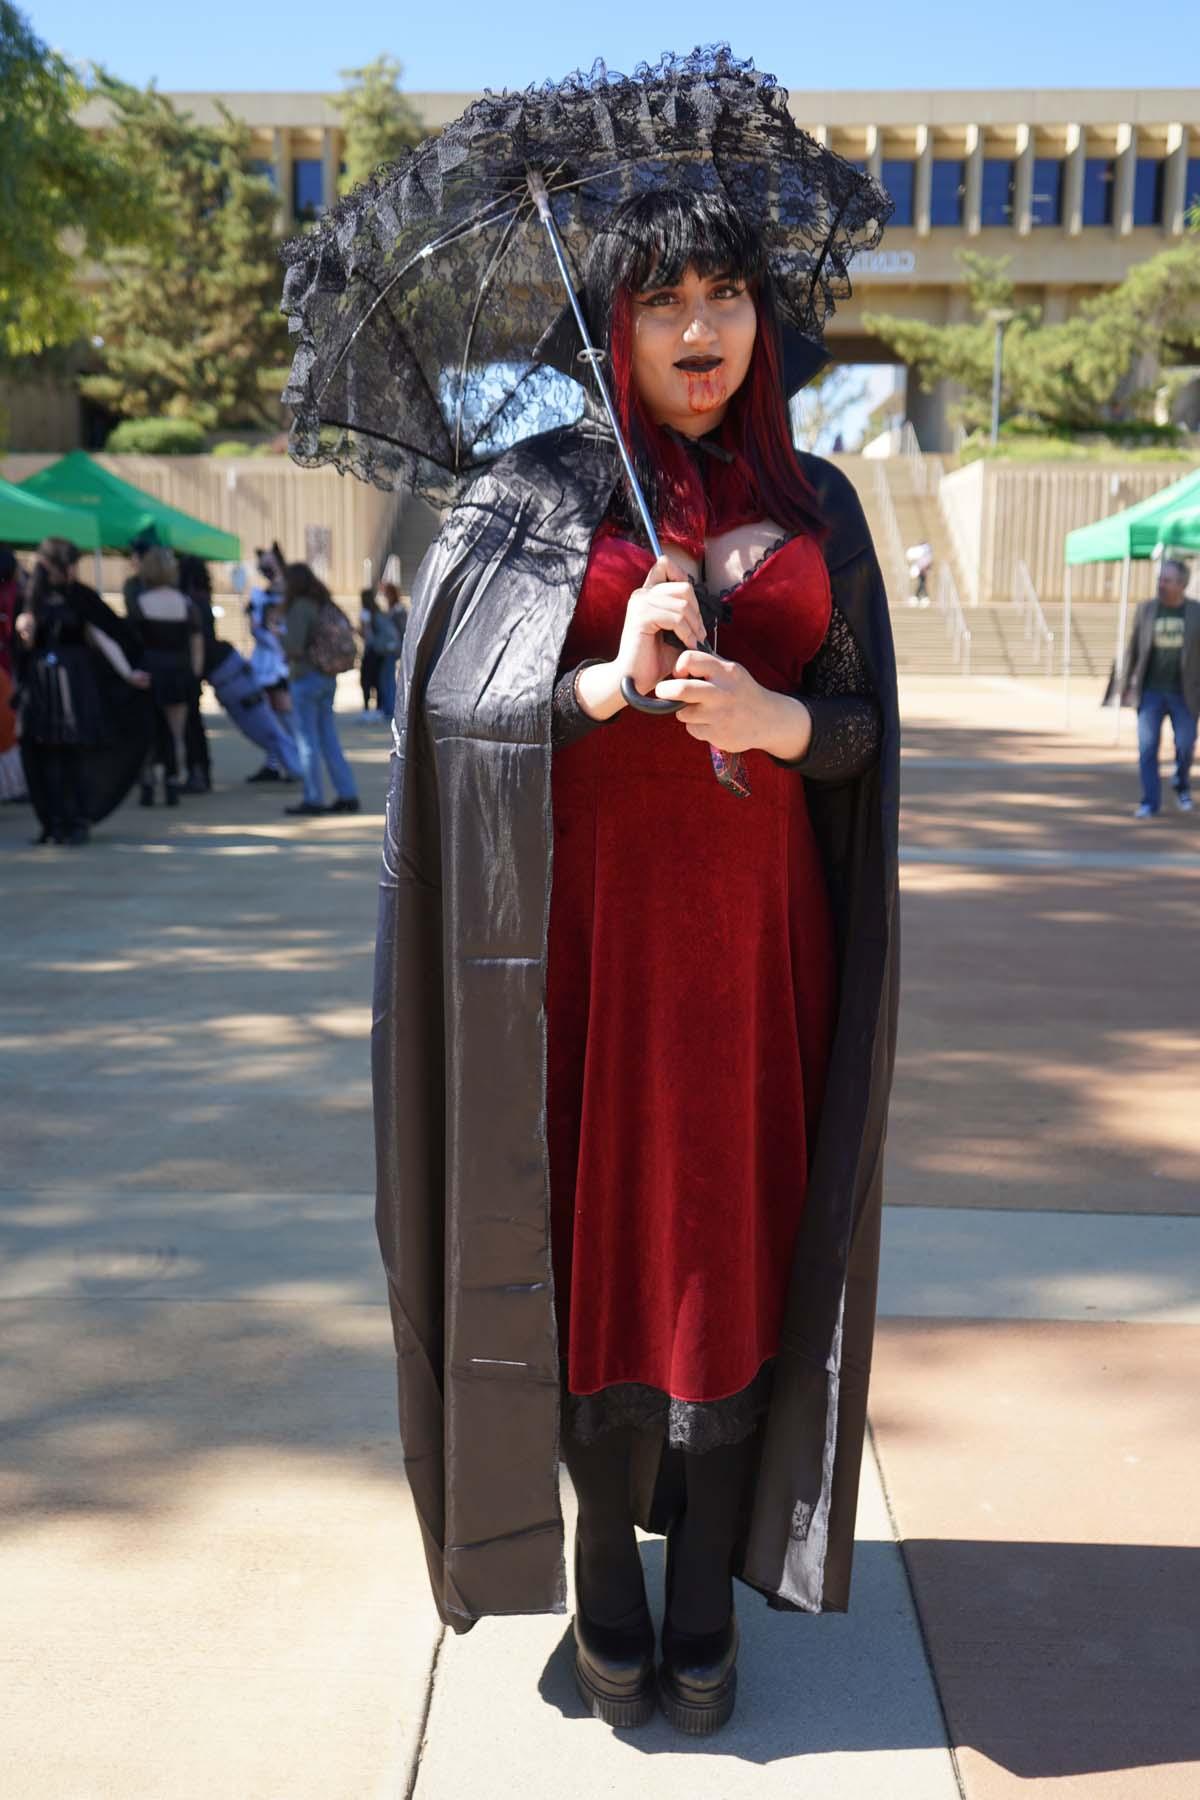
(26, 519)
(418, 304)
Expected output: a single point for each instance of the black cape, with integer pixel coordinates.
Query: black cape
(459, 1061)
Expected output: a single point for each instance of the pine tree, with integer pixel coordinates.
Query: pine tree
(1080, 374)
(190, 318)
(377, 119)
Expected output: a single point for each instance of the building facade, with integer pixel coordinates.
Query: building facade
(1074, 186)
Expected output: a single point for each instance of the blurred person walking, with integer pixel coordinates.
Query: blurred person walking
(83, 732)
(173, 657)
(313, 694)
(1161, 677)
(196, 583)
(368, 668)
(387, 637)
(268, 660)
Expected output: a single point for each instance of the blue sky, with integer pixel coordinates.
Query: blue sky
(931, 43)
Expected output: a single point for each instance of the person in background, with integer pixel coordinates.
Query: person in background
(1161, 677)
(173, 657)
(12, 777)
(66, 642)
(133, 584)
(268, 660)
(387, 636)
(313, 694)
(368, 669)
(196, 583)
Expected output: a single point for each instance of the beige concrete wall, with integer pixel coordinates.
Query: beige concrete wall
(1005, 514)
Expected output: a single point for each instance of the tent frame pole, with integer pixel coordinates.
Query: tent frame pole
(1122, 616)
(1066, 652)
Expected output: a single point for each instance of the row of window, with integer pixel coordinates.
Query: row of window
(997, 200)
(997, 203)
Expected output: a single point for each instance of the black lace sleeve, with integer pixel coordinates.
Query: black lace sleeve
(568, 721)
(846, 722)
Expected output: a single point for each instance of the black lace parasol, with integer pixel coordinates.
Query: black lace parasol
(418, 303)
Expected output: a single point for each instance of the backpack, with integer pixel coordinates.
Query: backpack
(331, 648)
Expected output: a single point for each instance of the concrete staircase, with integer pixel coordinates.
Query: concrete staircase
(998, 642)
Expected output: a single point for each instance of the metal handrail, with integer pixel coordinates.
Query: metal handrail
(910, 449)
(956, 620)
(1036, 629)
(893, 541)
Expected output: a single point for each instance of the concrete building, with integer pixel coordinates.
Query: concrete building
(1075, 186)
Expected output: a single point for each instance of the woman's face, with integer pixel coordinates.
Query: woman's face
(692, 344)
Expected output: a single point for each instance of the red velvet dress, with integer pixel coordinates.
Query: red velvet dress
(690, 1006)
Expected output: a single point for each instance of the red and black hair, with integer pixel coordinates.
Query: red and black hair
(646, 244)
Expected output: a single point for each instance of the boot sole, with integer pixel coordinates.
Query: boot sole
(638, 1709)
(699, 1718)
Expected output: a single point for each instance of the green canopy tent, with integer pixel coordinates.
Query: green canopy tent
(1169, 518)
(25, 519)
(123, 511)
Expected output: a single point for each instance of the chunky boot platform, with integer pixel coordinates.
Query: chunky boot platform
(697, 1679)
(614, 1666)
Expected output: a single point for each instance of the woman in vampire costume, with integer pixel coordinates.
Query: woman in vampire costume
(634, 1031)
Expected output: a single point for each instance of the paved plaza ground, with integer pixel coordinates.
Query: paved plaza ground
(211, 1584)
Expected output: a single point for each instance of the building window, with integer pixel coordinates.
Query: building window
(308, 200)
(1148, 190)
(1098, 173)
(946, 191)
(1046, 199)
(899, 178)
(1191, 185)
(264, 169)
(996, 200)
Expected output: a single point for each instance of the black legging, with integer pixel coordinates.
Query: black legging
(702, 1540)
(58, 776)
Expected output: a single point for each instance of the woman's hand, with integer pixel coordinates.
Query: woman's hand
(23, 626)
(138, 678)
(725, 706)
(666, 601)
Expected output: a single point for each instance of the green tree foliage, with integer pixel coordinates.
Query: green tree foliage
(377, 119)
(1080, 374)
(190, 318)
(62, 193)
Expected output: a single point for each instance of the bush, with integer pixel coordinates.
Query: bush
(156, 437)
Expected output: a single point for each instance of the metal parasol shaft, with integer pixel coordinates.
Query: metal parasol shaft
(593, 357)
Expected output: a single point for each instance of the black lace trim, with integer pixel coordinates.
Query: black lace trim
(568, 721)
(695, 1425)
(847, 725)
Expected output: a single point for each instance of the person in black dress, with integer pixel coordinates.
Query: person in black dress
(80, 747)
(196, 583)
(173, 656)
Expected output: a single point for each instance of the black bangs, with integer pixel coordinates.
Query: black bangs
(651, 240)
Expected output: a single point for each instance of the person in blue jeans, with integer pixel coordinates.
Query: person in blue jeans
(1161, 676)
(312, 700)
(387, 638)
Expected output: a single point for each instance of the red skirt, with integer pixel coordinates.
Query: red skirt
(690, 1006)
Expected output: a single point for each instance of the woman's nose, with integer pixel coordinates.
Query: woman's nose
(699, 328)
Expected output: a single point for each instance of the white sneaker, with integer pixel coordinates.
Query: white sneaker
(1146, 812)
(1183, 801)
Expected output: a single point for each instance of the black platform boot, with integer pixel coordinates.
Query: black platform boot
(614, 1664)
(697, 1678)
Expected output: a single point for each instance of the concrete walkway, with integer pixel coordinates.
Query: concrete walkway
(210, 1578)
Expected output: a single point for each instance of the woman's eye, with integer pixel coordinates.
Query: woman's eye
(664, 299)
(728, 290)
